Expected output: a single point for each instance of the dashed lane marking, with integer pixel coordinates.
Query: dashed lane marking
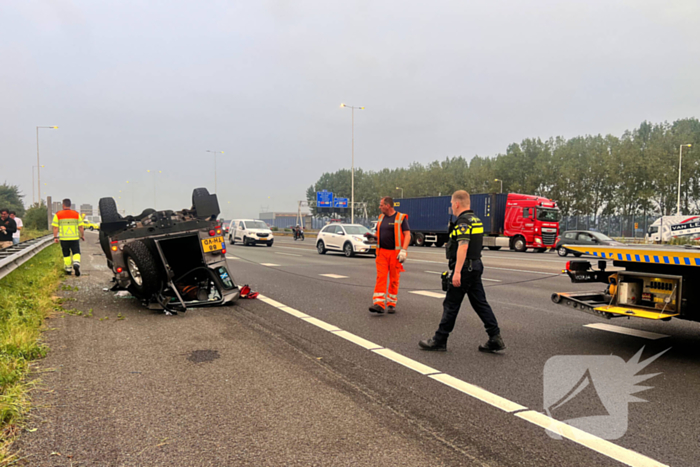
(287, 254)
(334, 276)
(427, 293)
(529, 272)
(588, 440)
(628, 331)
(232, 257)
(269, 264)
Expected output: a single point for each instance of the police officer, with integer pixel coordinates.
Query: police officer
(464, 256)
(70, 230)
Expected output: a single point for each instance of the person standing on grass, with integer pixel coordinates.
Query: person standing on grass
(69, 230)
(18, 221)
(7, 229)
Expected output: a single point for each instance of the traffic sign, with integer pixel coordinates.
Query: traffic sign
(340, 203)
(324, 199)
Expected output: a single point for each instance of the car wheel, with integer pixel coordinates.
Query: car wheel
(420, 239)
(520, 245)
(143, 270)
(245, 241)
(577, 254)
(91, 228)
(231, 240)
(270, 243)
(561, 251)
(348, 250)
(321, 248)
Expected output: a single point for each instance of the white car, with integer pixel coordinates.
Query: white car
(348, 238)
(249, 232)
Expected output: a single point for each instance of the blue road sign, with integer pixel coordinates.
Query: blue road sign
(324, 199)
(340, 203)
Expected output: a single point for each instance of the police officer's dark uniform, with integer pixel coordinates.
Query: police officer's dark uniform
(468, 228)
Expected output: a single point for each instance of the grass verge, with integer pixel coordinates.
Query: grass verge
(28, 234)
(25, 300)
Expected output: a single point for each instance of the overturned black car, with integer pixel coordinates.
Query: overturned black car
(170, 260)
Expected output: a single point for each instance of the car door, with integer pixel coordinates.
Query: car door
(240, 228)
(332, 238)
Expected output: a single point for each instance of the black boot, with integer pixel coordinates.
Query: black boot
(376, 309)
(432, 344)
(494, 344)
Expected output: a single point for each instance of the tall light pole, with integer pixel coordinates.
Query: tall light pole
(352, 200)
(154, 187)
(680, 158)
(33, 199)
(215, 153)
(38, 164)
(498, 180)
(399, 188)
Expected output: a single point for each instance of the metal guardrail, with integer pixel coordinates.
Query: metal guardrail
(13, 257)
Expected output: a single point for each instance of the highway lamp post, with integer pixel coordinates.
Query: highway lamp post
(215, 153)
(499, 180)
(33, 191)
(38, 164)
(399, 188)
(680, 159)
(154, 187)
(352, 183)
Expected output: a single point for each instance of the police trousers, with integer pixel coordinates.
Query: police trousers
(473, 288)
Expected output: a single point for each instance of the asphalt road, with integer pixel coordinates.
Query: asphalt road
(286, 390)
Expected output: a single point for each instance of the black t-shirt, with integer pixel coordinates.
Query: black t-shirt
(386, 231)
(11, 226)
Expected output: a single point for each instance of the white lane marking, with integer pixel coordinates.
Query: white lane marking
(483, 278)
(478, 393)
(287, 254)
(428, 293)
(590, 441)
(232, 257)
(322, 324)
(529, 272)
(334, 276)
(407, 362)
(585, 439)
(293, 312)
(269, 264)
(627, 331)
(358, 340)
(297, 248)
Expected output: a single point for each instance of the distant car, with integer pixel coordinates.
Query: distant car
(90, 225)
(582, 237)
(348, 238)
(249, 232)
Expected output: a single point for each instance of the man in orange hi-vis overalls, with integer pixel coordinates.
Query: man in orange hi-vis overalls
(393, 236)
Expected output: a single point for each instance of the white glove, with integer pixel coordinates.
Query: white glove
(402, 256)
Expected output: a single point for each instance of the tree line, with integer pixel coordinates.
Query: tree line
(636, 173)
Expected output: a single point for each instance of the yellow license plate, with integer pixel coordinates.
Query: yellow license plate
(212, 244)
(373, 247)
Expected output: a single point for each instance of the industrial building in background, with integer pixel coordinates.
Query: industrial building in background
(86, 209)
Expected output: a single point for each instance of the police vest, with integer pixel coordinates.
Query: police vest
(67, 222)
(467, 227)
(397, 229)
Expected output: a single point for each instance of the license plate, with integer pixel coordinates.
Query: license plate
(373, 247)
(212, 244)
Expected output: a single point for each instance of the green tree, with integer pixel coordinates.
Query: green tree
(11, 199)
(36, 217)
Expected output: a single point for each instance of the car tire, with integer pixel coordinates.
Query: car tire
(348, 250)
(231, 240)
(519, 245)
(420, 239)
(577, 254)
(561, 251)
(494, 248)
(91, 228)
(104, 243)
(321, 248)
(270, 243)
(108, 210)
(143, 270)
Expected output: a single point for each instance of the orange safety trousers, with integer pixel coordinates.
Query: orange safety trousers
(387, 265)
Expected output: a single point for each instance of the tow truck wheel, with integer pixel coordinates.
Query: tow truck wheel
(561, 251)
(143, 270)
(321, 248)
(348, 250)
(520, 245)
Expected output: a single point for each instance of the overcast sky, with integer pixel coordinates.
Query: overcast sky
(137, 85)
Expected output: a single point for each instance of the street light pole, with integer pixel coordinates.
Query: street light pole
(215, 153)
(38, 164)
(399, 188)
(680, 158)
(498, 180)
(352, 183)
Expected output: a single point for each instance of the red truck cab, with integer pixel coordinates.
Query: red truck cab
(531, 222)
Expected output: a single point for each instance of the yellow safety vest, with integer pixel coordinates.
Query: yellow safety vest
(67, 222)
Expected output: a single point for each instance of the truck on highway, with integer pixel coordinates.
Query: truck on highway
(656, 282)
(511, 220)
(667, 227)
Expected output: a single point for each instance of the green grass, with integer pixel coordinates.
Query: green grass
(25, 300)
(28, 234)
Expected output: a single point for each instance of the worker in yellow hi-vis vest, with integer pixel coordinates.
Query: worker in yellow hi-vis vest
(68, 228)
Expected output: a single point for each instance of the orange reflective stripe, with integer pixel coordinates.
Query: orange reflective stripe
(67, 214)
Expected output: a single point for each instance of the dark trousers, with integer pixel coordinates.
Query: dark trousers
(70, 245)
(474, 289)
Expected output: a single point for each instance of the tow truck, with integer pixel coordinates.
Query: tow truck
(651, 282)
